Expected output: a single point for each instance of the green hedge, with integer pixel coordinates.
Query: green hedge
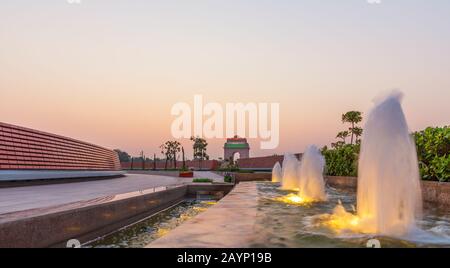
(202, 180)
(228, 178)
(341, 161)
(433, 152)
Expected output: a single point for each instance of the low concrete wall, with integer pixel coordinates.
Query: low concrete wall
(20, 178)
(194, 188)
(29, 175)
(434, 192)
(245, 177)
(341, 181)
(437, 192)
(169, 173)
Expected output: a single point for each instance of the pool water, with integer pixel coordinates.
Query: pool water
(144, 232)
(289, 225)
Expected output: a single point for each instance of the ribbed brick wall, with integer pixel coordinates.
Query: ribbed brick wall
(24, 149)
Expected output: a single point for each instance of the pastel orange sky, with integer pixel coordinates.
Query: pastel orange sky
(108, 72)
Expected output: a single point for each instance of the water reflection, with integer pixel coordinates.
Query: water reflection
(144, 232)
(282, 224)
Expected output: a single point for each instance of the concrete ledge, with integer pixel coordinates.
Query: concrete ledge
(228, 224)
(341, 181)
(16, 178)
(436, 192)
(432, 191)
(169, 173)
(24, 175)
(246, 177)
(219, 189)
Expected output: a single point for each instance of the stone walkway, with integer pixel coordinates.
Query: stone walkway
(27, 175)
(40, 196)
(228, 224)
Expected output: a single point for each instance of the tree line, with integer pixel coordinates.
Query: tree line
(171, 151)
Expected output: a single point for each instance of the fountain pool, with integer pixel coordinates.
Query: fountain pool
(284, 224)
(141, 233)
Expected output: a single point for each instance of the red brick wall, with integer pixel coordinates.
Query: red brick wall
(265, 162)
(23, 148)
(205, 164)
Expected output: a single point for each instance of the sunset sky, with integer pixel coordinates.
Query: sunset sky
(109, 71)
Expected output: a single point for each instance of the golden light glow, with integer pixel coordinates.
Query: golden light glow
(162, 232)
(341, 221)
(210, 202)
(199, 209)
(294, 199)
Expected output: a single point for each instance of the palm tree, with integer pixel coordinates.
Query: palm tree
(353, 117)
(358, 133)
(343, 135)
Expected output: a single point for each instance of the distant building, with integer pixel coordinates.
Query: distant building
(235, 146)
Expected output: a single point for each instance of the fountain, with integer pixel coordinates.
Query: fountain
(312, 185)
(388, 197)
(389, 193)
(277, 173)
(305, 177)
(290, 180)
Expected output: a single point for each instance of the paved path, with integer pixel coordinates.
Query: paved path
(29, 197)
(208, 174)
(22, 175)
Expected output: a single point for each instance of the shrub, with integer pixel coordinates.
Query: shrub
(202, 180)
(433, 153)
(184, 169)
(342, 160)
(228, 178)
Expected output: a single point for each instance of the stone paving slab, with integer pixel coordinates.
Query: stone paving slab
(29, 175)
(41, 196)
(228, 224)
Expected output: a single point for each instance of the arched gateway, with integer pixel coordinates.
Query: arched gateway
(236, 145)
